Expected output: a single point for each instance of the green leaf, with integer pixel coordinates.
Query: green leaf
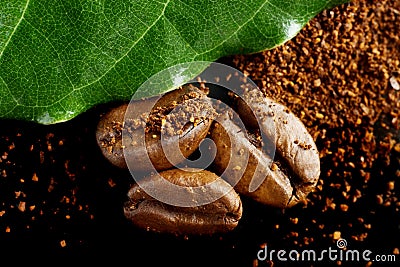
(60, 58)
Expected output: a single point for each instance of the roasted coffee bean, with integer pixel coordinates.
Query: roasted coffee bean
(221, 215)
(294, 144)
(279, 179)
(182, 116)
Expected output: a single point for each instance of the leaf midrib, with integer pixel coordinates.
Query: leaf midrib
(138, 40)
(15, 28)
(142, 36)
(130, 49)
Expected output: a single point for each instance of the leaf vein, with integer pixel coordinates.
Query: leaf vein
(180, 35)
(239, 28)
(130, 49)
(9, 91)
(15, 28)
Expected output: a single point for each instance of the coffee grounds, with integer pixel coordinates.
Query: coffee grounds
(169, 120)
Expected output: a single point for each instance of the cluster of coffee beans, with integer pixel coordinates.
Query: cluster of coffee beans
(259, 149)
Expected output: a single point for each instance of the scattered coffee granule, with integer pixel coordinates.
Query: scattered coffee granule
(63, 243)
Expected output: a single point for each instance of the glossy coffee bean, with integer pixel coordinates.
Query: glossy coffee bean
(221, 215)
(181, 117)
(293, 142)
(281, 179)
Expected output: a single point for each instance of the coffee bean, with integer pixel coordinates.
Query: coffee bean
(270, 157)
(280, 179)
(109, 135)
(294, 144)
(133, 132)
(221, 215)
